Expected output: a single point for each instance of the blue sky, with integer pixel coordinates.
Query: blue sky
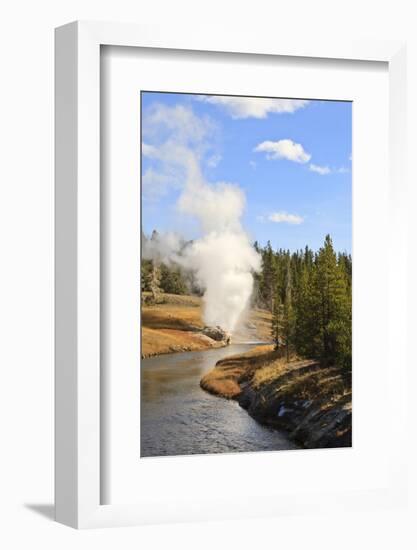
(292, 160)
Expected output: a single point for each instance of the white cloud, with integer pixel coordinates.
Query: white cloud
(175, 140)
(149, 150)
(252, 164)
(322, 170)
(222, 259)
(343, 170)
(255, 107)
(214, 160)
(162, 122)
(284, 217)
(283, 149)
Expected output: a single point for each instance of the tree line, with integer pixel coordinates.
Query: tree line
(310, 297)
(157, 278)
(308, 293)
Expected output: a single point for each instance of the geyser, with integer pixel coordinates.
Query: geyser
(223, 258)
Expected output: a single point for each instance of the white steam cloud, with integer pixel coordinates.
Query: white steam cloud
(223, 263)
(163, 247)
(223, 259)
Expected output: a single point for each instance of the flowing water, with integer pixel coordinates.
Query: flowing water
(179, 418)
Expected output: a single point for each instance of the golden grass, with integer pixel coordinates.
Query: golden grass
(269, 372)
(225, 387)
(260, 365)
(172, 317)
(296, 380)
(261, 318)
(173, 324)
(316, 399)
(224, 379)
(176, 312)
(160, 341)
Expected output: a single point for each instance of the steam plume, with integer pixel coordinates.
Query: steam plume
(223, 259)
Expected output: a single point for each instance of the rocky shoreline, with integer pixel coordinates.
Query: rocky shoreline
(310, 401)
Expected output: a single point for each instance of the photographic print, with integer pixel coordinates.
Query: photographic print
(246, 274)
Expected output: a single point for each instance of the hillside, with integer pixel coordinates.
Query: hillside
(312, 402)
(175, 325)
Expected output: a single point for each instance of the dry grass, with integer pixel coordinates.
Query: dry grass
(173, 325)
(224, 379)
(261, 318)
(228, 373)
(303, 379)
(220, 385)
(261, 365)
(172, 317)
(313, 402)
(326, 385)
(269, 372)
(175, 312)
(158, 342)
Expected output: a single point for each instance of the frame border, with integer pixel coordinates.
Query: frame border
(77, 245)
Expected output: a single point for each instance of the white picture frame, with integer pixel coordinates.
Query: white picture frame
(77, 242)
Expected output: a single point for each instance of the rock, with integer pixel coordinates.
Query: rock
(216, 333)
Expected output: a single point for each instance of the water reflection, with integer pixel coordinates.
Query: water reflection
(179, 418)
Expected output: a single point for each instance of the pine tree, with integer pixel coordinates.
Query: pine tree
(288, 311)
(268, 279)
(154, 278)
(171, 280)
(305, 322)
(332, 305)
(145, 269)
(310, 296)
(277, 320)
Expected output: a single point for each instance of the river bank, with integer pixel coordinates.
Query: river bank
(178, 418)
(311, 402)
(175, 324)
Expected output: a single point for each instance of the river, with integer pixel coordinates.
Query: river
(179, 418)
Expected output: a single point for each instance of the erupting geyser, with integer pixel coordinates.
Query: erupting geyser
(223, 263)
(223, 258)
